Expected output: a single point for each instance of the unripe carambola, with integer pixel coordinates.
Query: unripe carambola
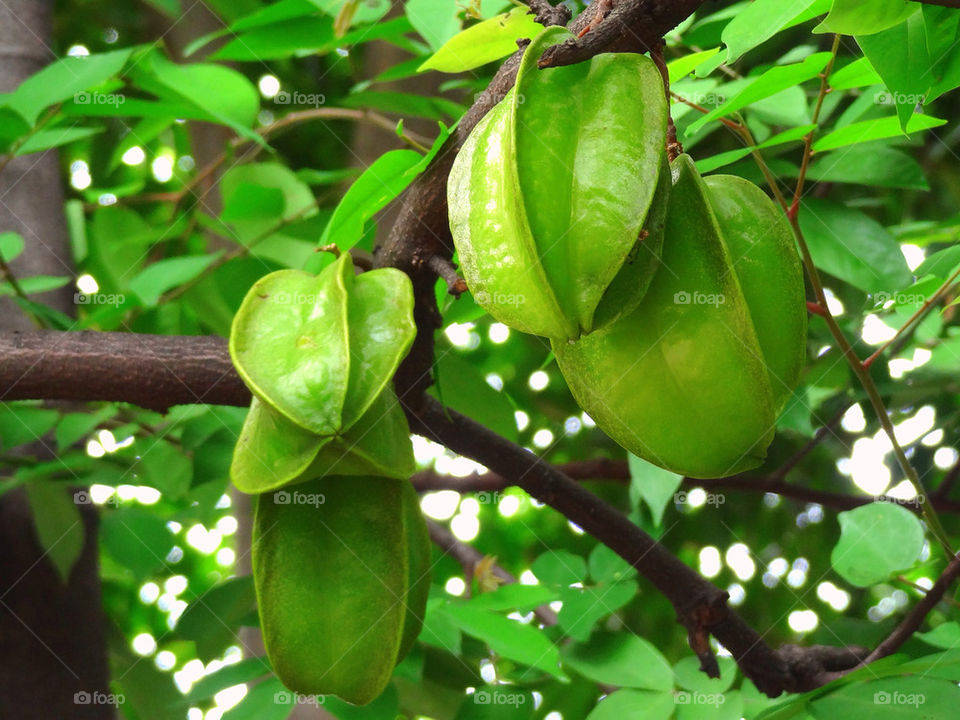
(342, 575)
(557, 199)
(694, 378)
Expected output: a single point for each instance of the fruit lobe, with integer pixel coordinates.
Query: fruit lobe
(685, 381)
(341, 571)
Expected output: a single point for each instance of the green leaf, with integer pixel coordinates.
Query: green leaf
(461, 387)
(871, 165)
(771, 82)
(583, 608)
(945, 635)
(876, 540)
(244, 671)
(859, 73)
(757, 23)
(437, 21)
(163, 275)
(900, 56)
(213, 620)
(681, 67)
(220, 93)
(654, 485)
(380, 183)
(689, 676)
(634, 705)
(941, 263)
(514, 596)
(864, 17)
(250, 199)
(22, 424)
(73, 427)
(853, 247)
(484, 42)
(559, 567)
(11, 245)
(63, 79)
(620, 659)
(523, 643)
(606, 566)
(136, 538)
(874, 130)
(58, 524)
(55, 137)
(165, 468)
(897, 698)
(268, 700)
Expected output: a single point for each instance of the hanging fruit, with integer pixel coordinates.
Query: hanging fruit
(693, 379)
(557, 199)
(341, 567)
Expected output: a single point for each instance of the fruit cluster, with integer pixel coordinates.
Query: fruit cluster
(674, 304)
(341, 563)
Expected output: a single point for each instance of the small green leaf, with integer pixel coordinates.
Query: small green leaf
(63, 79)
(584, 607)
(606, 566)
(689, 676)
(22, 424)
(136, 538)
(55, 137)
(461, 387)
(850, 245)
(859, 73)
(654, 485)
(523, 643)
(758, 22)
(380, 183)
(437, 21)
(164, 275)
(945, 635)
(164, 467)
(559, 567)
(11, 245)
(770, 83)
(59, 526)
(484, 42)
(876, 540)
(864, 17)
(514, 596)
(627, 704)
(681, 67)
(878, 129)
(620, 659)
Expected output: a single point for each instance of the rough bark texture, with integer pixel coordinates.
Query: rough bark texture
(52, 640)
